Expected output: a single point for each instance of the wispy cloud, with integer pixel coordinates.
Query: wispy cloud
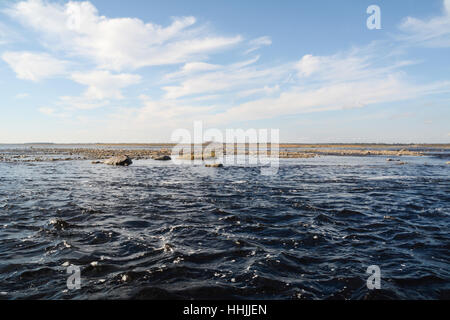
(192, 68)
(358, 63)
(239, 76)
(257, 43)
(353, 79)
(434, 32)
(328, 97)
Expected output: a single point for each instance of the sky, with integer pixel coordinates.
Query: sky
(135, 71)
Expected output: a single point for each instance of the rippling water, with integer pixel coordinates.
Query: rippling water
(158, 230)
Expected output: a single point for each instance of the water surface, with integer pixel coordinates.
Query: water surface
(158, 230)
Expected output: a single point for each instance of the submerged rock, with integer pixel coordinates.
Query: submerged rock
(163, 158)
(168, 247)
(59, 224)
(119, 161)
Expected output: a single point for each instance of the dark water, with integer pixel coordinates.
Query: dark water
(158, 230)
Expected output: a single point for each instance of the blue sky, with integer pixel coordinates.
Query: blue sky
(135, 71)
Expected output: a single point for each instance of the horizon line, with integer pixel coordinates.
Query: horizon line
(269, 142)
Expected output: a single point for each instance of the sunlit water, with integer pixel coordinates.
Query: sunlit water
(160, 230)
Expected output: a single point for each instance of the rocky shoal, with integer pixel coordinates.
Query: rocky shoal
(60, 154)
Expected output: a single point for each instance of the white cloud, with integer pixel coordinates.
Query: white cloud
(119, 43)
(201, 88)
(332, 96)
(266, 90)
(357, 78)
(257, 43)
(103, 85)
(434, 32)
(243, 79)
(240, 76)
(192, 68)
(198, 66)
(356, 64)
(34, 66)
(261, 41)
(156, 119)
(353, 79)
(308, 64)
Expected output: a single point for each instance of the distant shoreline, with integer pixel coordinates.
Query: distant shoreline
(281, 145)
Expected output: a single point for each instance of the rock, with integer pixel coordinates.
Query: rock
(96, 162)
(163, 158)
(119, 161)
(401, 163)
(215, 165)
(390, 159)
(168, 247)
(59, 224)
